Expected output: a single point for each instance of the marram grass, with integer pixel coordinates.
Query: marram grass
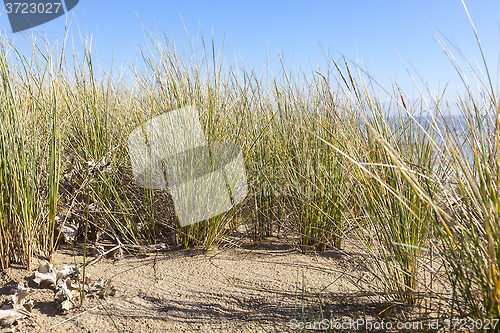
(327, 164)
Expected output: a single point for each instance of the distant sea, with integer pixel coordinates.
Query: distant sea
(456, 127)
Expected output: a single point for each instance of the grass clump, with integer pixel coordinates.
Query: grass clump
(327, 161)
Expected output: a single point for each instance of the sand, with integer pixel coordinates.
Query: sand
(251, 289)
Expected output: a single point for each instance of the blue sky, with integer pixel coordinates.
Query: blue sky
(367, 31)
